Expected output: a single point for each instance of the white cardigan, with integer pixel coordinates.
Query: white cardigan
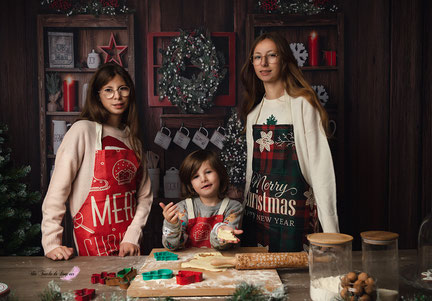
(314, 157)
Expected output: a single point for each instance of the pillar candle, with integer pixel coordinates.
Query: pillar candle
(313, 49)
(69, 94)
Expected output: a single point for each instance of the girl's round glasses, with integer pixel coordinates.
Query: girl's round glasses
(109, 92)
(270, 57)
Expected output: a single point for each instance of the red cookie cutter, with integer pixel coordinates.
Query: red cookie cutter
(85, 294)
(188, 277)
(101, 278)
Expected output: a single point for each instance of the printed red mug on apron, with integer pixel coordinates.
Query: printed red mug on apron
(102, 221)
(199, 228)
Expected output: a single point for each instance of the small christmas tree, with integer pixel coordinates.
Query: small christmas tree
(18, 236)
(233, 154)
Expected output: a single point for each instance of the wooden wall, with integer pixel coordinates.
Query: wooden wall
(388, 115)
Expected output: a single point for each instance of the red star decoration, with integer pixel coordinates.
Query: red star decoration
(113, 51)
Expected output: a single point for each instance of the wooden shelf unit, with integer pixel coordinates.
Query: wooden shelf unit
(89, 32)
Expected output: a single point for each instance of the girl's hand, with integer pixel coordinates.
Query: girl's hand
(170, 212)
(233, 231)
(60, 253)
(126, 248)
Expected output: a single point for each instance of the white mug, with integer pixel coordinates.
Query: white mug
(162, 139)
(59, 131)
(218, 138)
(181, 139)
(201, 139)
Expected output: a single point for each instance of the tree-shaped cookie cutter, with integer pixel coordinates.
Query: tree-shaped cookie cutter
(165, 256)
(188, 277)
(158, 274)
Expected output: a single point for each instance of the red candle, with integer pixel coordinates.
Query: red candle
(313, 49)
(69, 94)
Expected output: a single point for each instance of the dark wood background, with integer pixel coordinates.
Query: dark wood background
(388, 108)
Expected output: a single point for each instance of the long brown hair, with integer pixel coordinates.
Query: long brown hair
(294, 82)
(190, 166)
(94, 110)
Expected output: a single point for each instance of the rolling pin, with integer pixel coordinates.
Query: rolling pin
(254, 261)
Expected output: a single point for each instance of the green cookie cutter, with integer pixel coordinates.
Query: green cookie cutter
(165, 256)
(130, 273)
(158, 274)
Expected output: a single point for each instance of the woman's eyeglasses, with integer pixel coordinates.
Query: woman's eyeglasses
(109, 92)
(270, 57)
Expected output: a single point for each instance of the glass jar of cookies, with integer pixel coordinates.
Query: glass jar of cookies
(330, 258)
(380, 259)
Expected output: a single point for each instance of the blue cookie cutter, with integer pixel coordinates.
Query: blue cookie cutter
(165, 256)
(158, 274)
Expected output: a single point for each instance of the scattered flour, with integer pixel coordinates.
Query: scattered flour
(325, 289)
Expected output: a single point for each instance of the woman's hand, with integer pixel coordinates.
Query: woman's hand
(126, 248)
(60, 253)
(233, 231)
(170, 212)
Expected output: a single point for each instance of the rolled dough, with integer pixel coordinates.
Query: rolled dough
(202, 261)
(226, 235)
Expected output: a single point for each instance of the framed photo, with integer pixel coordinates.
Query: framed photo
(60, 49)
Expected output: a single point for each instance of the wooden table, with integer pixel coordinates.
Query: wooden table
(27, 277)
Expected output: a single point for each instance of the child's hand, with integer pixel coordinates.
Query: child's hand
(170, 212)
(60, 253)
(233, 231)
(126, 248)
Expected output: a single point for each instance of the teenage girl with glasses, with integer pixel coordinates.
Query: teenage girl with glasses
(100, 172)
(290, 181)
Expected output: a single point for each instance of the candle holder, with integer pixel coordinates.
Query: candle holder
(69, 94)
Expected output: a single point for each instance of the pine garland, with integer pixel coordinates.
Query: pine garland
(18, 236)
(233, 154)
(195, 94)
(91, 7)
(306, 7)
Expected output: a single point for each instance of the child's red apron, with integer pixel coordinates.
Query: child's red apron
(199, 228)
(101, 222)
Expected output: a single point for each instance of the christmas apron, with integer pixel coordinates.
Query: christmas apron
(101, 222)
(280, 210)
(199, 228)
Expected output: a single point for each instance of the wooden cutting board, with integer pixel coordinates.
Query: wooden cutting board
(214, 283)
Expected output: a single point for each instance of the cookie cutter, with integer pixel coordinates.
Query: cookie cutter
(85, 294)
(188, 277)
(127, 274)
(165, 256)
(101, 278)
(158, 274)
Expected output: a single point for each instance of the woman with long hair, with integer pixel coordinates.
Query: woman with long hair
(290, 182)
(100, 172)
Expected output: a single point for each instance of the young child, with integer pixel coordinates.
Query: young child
(99, 170)
(289, 170)
(197, 220)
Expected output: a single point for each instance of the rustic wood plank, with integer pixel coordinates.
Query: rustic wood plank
(405, 120)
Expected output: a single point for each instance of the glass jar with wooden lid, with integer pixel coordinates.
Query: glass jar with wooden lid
(380, 259)
(330, 257)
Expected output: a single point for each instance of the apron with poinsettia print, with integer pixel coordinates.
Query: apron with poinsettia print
(280, 210)
(199, 228)
(107, 212)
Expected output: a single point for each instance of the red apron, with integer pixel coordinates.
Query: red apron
(102, 221)
(199, 228)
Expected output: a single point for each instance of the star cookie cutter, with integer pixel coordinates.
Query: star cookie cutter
(188, 277)
(165, 256)
(158, 274)
(84, 294)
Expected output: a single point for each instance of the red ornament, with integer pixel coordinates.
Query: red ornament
(113, 51)
(109, 3)
(60, 5)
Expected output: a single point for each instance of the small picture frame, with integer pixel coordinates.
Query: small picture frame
(61, 49)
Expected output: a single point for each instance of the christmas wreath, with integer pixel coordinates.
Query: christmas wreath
(191, 91)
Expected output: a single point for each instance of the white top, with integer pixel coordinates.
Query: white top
(312, 147)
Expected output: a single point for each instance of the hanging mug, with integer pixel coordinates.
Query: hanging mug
(162, 139)
(59, 131)
(201, 137)
(218, 138)
(182, 139)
